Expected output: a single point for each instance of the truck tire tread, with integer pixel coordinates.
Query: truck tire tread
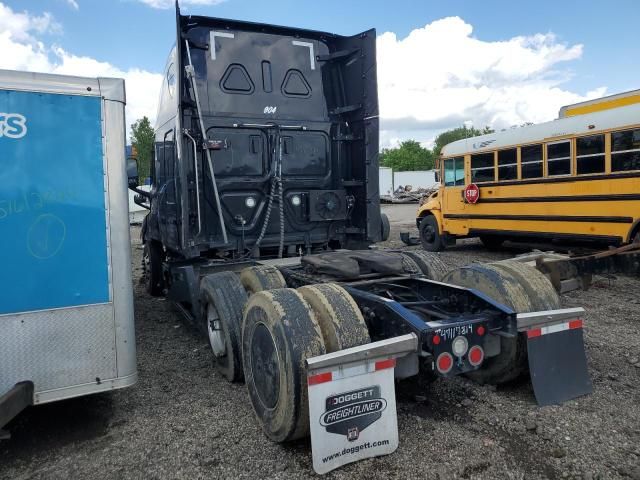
(280, 332)
(539, 288)
(261, 277)
(429, 263)
(341, 322)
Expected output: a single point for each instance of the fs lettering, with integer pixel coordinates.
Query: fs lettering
(12, 125)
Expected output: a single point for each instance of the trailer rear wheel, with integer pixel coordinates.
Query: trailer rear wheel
(152, 257)
(504, 288)
(341, 322)
(279, 333)
(429, 263)
(261, 277)
(224, 298)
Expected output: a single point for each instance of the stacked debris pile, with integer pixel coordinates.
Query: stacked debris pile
(406, 194)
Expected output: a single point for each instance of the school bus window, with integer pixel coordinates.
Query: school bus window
(508, 164)
(590, 154)
(482, 168)
(531, 158)
(454, 171)
(559, 158)
(625, 150)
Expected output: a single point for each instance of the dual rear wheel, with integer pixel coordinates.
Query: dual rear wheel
(282, 328)
(267, 342)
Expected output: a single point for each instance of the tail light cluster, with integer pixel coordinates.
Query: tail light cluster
(464, 350)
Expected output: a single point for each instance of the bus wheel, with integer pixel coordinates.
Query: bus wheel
(279, 333)
(152, 256)
(430, 235)
(504, 288)
(341, 323)
(429, 264)
(223, 298)
(492, 242)
(261, 277)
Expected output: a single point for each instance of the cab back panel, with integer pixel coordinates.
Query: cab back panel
(270, 96)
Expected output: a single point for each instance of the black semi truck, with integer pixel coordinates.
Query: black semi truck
(264, 202)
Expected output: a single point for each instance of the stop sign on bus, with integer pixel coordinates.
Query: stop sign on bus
(471, 193)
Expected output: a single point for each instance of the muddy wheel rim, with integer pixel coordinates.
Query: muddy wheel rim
(215, 332)
(265, 366)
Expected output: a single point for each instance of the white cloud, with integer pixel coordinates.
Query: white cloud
(21, 26)
(23, 51)
(73, 4)
(440, 77)
(164, 4)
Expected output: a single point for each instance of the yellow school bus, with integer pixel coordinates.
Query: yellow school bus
(577, 177)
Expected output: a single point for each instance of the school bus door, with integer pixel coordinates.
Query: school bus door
(453, 203)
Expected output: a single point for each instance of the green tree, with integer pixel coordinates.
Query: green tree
(456, 134)
(142, 138)
(409, 156)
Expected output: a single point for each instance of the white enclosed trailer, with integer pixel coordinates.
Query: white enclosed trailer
(386, 181)
(417, 179)
(66, 301)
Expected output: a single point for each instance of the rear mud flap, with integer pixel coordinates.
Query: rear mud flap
(558, 363)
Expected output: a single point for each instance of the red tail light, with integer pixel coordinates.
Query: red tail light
(480, 330)
(476, 355)
(436, 340)
(444, 363)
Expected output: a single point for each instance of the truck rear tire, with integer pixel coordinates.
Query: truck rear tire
(429, 263)
(261, 277)
(410, 266)
(341, 322)
(430, 237)
(504, 288)
(223, 298)
(385, 227)
(279, 333)
(539, 288)
(152, 258)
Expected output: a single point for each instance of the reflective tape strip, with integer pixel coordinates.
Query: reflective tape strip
(320, 378)
(351, 371)
(383, 364)
(559, 327)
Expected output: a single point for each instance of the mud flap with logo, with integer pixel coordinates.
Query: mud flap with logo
(352, 404)
(557, 359)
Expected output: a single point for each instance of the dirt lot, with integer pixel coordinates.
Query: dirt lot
(183, 420)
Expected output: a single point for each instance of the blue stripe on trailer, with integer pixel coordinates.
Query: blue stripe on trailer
(53, 251)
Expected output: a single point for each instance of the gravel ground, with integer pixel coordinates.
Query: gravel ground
(182, 420)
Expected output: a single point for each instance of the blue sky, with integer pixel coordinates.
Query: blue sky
(599, 41)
